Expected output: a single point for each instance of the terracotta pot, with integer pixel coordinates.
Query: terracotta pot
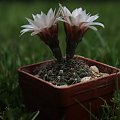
(72, 102)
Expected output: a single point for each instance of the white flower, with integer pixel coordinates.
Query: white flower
(76, 23)
(46, 27)
(80, 18)
(41, 22)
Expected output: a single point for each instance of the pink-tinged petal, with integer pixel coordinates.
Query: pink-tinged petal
(52, 22)
(67, 19)
(74, 21)
(78, 18)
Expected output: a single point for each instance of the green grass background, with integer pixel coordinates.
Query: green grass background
(16, 50)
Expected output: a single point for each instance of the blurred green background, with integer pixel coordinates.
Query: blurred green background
(16, 50)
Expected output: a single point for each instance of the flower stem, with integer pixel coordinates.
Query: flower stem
(56, 52)
(53, 43)
(70, 48)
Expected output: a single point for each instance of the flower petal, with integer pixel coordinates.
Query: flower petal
(27, 26)
(50, 13)
(74, 21)
(92, 27)
(34, 33)
(25, 30)
(76, 12)
(33, 16)
(92, 18)
(41, 21)
(60, 19)
(44, 20)
(30, 21)
(95, 23)
(65, 11)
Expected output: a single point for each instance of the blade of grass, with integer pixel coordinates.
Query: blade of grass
(91, 114)
(35, 116)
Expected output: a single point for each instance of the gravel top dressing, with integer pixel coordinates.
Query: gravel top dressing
(67, 72)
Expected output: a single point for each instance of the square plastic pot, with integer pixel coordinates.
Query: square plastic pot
(74, 102)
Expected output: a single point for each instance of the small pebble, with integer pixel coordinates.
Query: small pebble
(94, 69)
(60, 72)
(96, 74)
(103, 74)
(76, 79)
(85, 79)
(71, 68)
(74, 73)
(58, 77)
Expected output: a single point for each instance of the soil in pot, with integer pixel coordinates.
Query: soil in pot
(66, 72)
